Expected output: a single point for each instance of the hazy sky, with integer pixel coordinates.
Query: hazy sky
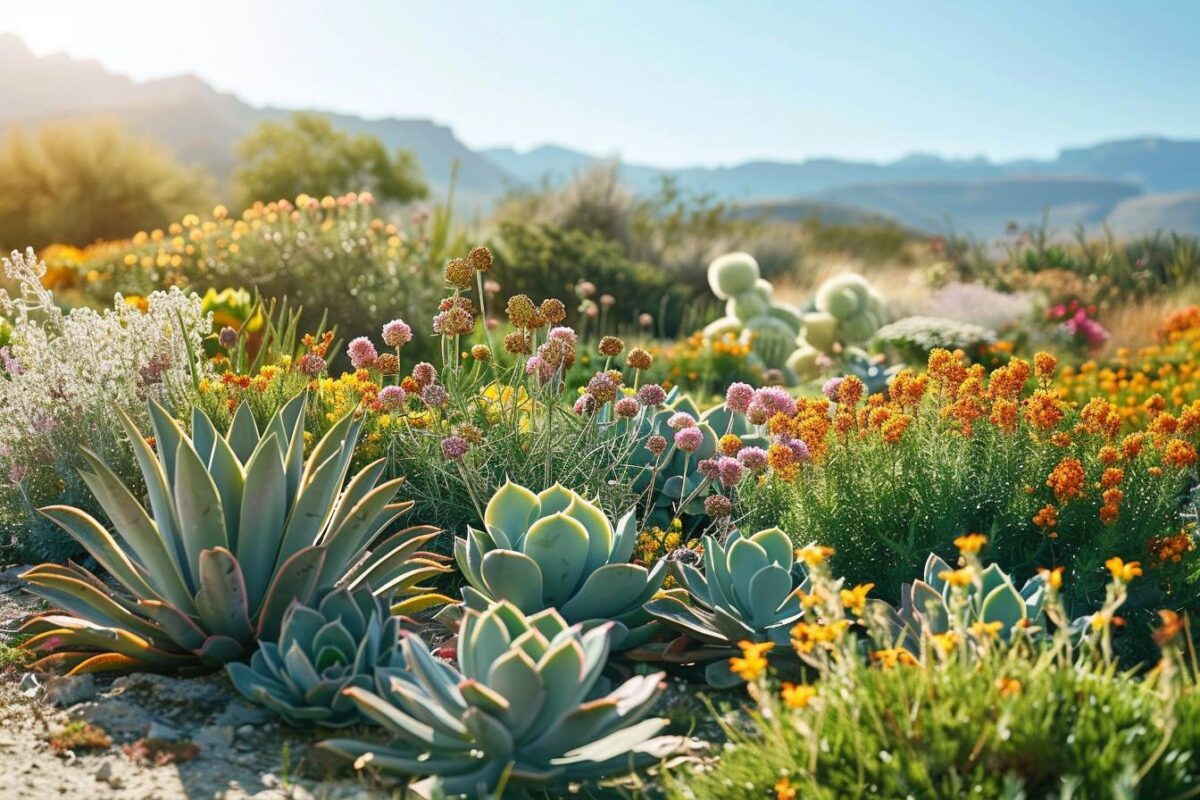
(675, 83)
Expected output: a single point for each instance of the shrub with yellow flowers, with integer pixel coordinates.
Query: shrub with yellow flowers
(967, 712)
(894, 476)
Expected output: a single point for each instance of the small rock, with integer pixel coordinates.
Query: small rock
(119, 719)
(159, 730)
(214, 736)
(69, 690)
(240, 714)
(29, 685)
(247, 732)
(106, 775)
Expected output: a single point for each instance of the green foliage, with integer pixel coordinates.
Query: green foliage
(239, 527)
(914, 338)
(555, 549)
(307, 154)
(74, 183)
(323, 651)
(514, 718)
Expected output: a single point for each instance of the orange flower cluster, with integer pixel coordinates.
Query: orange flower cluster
(810, 424)
(1067, 479)
(1169, 549)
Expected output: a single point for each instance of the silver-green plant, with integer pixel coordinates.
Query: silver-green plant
(322, 651)
(746, 592)
(519, 713)
(557, 550)
(239, 527)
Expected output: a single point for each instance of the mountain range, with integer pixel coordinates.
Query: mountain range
(1133, 186)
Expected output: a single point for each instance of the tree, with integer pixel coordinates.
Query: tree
(77, 182)
(307, 154)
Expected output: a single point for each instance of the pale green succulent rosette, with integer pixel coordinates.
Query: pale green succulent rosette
(554, 549)
(237, 527)
(518, 713)
(321, 652)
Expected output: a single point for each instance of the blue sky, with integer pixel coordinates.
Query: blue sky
(679, 83)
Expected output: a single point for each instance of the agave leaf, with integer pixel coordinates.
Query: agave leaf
(201, 518)
(561, 671)
(515, 577)
(360, 486)
(137, 530)
(559, 545)
(221, 602)
(515, 677)
(296, 580)
(80, 598)
(107, 662)
(180, 627)
(613, 746)
(204, 434)
(159, 492)
(243, 435)
(432, 675)
(769, 588)
(168, 435)
(343, 542)
(491, 736)
(482, 639)
(608, 592)
(1003, 604)
(745, 560)
(334, 636)
(227, 476)
(84, 529)
(928, 603)
(312, 509)
(733, 627)
(262, 522)
(935, 566)
(480, 696)
(685, 618)
(555, 500)
(510, 512)
(777, 546)
(599, 531)
(625, 538)
(219, 650)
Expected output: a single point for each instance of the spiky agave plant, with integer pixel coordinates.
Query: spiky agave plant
(555, 549)
(518, 714)
(322, 651)
(239, 526)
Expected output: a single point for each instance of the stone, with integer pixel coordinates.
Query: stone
(105, 774)
(214, 736)
(240, 714)
(69, 690)
(29, 685)
(119, 719)
(159, 730)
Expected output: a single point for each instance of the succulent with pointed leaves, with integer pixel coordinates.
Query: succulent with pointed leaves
(238, 527)
(519, 713)
(555, 549)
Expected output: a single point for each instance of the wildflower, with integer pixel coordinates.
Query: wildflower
(397, 333)
(387, 364)
(553, 310)
(894, 657)
(424, 374)
(830, 389)
(645, 320)
(689, 439)
(1131, 445)
(730, 444)
(708, 468)
(651, 395)
(1067, 479)
(753, 458)
(1122, 571)
(717, 506)
(784, 789)
(481, 352)
(1044, 365)
(893, 429)
(1008, 687)
(782, 459)
(856, 599)
(434, 395)
(1179, 454)
(814, 555)
(459, 273)
(729, 471)
(454, 448)
(757, 413)
(227, 338)
(611, 346)
(457, 319)
(655, 444)
(392, 398)
(627, 407)
(516, 343)
(797, 695)
(602, 387)
(362, 352)
(1046, 517)
(850, 391)
(970, 544)
(986, 630)
(959, 578)
(1054, 577)
(1172, 625)
(585, 289)
(520, 310)
(808, 636)
(944, 642)
(480, 258)
(738, 397)
(586, 404)
(639, 359)
(680, 420)
(753, 661)
(946, 370)
(1044, 410)
(775, 401)
(311, 364)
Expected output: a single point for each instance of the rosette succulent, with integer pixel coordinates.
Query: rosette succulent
(557, 550)
(746, 592)
(519, 713)
(322, 651)
(238, 526)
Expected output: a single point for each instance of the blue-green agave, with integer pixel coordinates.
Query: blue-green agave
(557, 550)
(322, 651)
(746, 592)
(238, 527)
(519, 713)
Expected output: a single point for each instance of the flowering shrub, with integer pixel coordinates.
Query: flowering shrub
(970, 713)
(956, 450)
(64, 377)
(320, 253)
(1077, 327)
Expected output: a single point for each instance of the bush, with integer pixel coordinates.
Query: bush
(76, 183)
(914, 338)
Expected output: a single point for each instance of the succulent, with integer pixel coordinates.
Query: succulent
(239, 526)
(747, 592)
(519, 713)
(925, 603)
(555, 549)
(916, 337)
(733, 274)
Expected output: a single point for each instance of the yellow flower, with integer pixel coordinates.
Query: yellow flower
(856, 599)
(1008, 687)
(944, 642)
(970, 544)
(753, 661)
(1053, 577)
(986, 630)
(893, 657)
(784, 790)
(797, 695)
(958, 577)
(814, 555)
(1122, 571)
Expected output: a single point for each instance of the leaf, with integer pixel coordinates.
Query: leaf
(510, 512)
(514, 577)
(559, 545)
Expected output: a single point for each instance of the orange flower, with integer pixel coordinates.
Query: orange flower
(797, 695)
(1101, 417)
(1008, 687)
(1044, 410)
(1067, 479)
(1009, 381)
(958, 577)
(946, 370)
(1109, 455)
(1044, 365)
(1054, 577)
(1004, 414)
(1132, 445)
(894, 428)
(971, 543)
(784, 789)
(1111, 477)
(753, 661)
(730, 444)
(850, 391)
(1179, 454)
(856, 599)
(1046, 517)
(1122, 571)
(894, 657)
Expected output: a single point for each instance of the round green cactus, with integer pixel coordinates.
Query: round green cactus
(722, 326)
(843, 296)
(820, 330)
(746, 306)
(803, 362)
(732, 274)
(770, 339)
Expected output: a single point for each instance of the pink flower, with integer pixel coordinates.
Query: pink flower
(434, 395)
(397, 333)
(718, 506)
(627, 407)
(564, 335)
(729, 471)
(454, 448)
(586, 404)
(656, 445)
(424, 373)
(651, 395)
(392, 398)
(362, 353)
(689, 439)
(708, 468)
(680, 420)
(830, 389)
(312, 364)
(753, 458)
(738, 397)
(776, 401)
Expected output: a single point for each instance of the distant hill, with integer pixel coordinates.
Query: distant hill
(1143, 183)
